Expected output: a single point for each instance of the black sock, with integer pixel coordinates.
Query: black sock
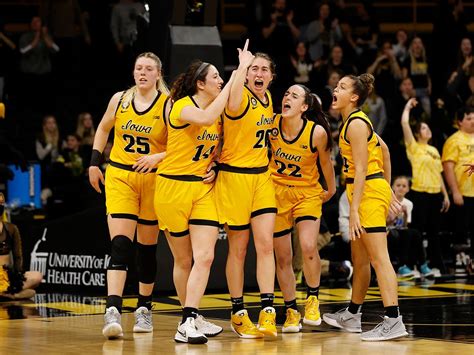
(189, 312)
(266, 299)
(392, 311)
(312, 291)
(237, 304)
(114, 301)
(291, 304)
(144, 301)
(354, 308)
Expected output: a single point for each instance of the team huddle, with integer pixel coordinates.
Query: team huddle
(196, 158)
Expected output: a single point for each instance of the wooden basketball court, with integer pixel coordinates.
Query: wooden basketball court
(438, 316)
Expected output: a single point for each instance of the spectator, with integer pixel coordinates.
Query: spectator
(68, 25)
(374, 107)
(279, 36)
(302, 64)
(335, 62)
(416, 67)
(16, 284)
(48, 145)
(71, 156)
(322, 33)
(363, 33)
(36, 48)
(386, 71)
(428, 184)
(400, 49)
(123, 25)
(6, 47)
(85, 128)
(48, 141)
(459, 86)
(411, 251)
(457, 151)
(326, 93)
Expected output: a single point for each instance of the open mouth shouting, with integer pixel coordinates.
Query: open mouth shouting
(258, 84)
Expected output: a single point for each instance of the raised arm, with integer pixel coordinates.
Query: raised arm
(235, 97)
(407, 132)
(207, 116)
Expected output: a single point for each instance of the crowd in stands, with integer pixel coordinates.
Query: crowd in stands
(422, 106)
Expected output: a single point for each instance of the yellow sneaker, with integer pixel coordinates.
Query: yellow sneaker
(311, 311)
(241, 324)
(292, 322)
(267, 321)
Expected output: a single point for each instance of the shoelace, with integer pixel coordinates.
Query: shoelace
(141, 317)
(380, 325)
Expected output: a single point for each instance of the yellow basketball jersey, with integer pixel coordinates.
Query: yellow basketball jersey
(139, 133)
(245, 135)
(294, 162)
(375, 161)
(190, 148)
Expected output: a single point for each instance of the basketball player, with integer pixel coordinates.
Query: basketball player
(367, 168)
(137, 116)
(184, 198)
(301, 135)
(244, 190)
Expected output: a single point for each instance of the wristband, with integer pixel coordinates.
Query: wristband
(96, 158)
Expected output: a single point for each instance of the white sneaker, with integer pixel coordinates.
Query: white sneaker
(389, 328)
(112, 327)
(207, 328)
(187, 333)
(143, 321)
(344, 319)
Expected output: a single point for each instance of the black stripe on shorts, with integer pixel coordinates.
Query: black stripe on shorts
(375, 229)
(263, 211)
(124, 216)
(239, 228)
(204, 222)
(147, 222)
(282, 233)
(180, 234)
(305, 218)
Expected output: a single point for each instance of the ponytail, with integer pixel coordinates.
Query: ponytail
(186, 83)
(315, 113)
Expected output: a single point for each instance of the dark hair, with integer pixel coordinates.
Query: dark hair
(315, 113)
(362, 86)
(269, 59)
(463, 111)
(398, 177)
(416, 127)
(75, 135)
(186, 83)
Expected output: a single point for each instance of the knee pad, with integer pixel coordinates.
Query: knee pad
(121, 255)
(146, 263)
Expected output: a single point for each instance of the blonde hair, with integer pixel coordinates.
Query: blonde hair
(160, 84)
(49, 137)
(86, 135)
